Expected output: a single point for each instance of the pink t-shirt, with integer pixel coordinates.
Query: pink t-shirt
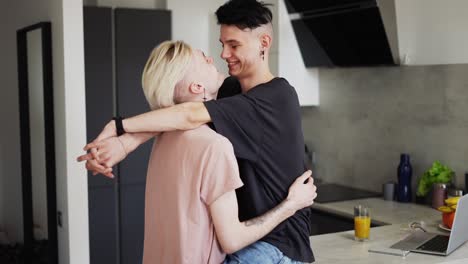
(187, 171)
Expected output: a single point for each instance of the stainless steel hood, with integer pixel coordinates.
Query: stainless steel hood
(345, 33)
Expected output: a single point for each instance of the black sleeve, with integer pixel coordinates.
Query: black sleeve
(230, 87)
(237, 119)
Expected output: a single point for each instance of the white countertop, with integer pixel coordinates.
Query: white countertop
(337, 248)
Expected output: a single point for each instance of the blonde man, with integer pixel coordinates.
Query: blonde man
(191, 213)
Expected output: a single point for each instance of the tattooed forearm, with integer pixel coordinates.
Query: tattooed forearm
(261, 219)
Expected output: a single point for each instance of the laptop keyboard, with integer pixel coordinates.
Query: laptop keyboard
(438, 243)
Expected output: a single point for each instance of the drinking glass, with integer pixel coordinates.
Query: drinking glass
(362, 222)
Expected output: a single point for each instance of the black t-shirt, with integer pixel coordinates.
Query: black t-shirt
(264, 127)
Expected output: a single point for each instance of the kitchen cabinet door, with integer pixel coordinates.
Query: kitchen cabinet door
(137, 32)
(102, 191)
(118, 40)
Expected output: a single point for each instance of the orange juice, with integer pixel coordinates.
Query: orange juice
(361, 227)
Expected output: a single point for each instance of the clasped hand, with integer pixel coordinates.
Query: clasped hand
(104, 152)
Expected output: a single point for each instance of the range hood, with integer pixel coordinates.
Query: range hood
(345, 33)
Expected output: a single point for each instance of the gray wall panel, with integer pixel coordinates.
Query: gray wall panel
(137, 32)
(98, 72)
(132, 223)
(116, 206)
(368, 116)
(103, 225)
(102, 192)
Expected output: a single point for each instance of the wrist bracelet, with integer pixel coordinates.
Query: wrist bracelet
(118, 125)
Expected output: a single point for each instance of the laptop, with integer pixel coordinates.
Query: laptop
(431, 243)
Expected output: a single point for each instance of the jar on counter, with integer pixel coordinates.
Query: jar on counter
(439, 194)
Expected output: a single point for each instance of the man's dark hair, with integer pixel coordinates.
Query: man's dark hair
(244, 14)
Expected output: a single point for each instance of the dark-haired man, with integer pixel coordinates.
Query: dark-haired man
(259, 114)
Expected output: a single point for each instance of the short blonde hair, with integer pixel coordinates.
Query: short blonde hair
(165, 68)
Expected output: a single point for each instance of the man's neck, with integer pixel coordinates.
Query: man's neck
(252, 81)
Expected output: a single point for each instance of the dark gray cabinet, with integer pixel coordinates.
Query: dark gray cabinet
(118, 40)
(103, 208)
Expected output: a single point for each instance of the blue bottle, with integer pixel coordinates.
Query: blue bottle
(404, 179)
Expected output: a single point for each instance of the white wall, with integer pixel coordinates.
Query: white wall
(432, 31)
(290, 63)
(73, 120)
(195, 23)
(157, 4)
(70, 126)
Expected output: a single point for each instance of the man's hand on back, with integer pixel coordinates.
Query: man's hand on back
(302, 194)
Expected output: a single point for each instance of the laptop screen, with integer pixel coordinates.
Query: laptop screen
(459, 233)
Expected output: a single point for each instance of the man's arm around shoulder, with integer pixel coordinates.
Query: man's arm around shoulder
(183, 116)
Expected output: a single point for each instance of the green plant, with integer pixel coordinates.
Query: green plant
(438, 173)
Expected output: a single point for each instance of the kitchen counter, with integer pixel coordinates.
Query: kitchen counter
(340, 247)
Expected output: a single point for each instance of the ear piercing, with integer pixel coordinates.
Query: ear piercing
(262, 54)
(204, 92)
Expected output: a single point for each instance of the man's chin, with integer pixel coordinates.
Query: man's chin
(233, 73)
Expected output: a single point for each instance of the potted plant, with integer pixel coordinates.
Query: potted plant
(438, 173)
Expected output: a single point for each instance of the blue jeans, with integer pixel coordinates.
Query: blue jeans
(259, 252)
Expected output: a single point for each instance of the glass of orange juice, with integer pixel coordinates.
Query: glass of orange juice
(362, 222)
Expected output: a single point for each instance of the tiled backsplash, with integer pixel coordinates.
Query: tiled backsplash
(368, 116)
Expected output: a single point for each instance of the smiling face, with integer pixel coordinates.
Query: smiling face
(241, 50)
